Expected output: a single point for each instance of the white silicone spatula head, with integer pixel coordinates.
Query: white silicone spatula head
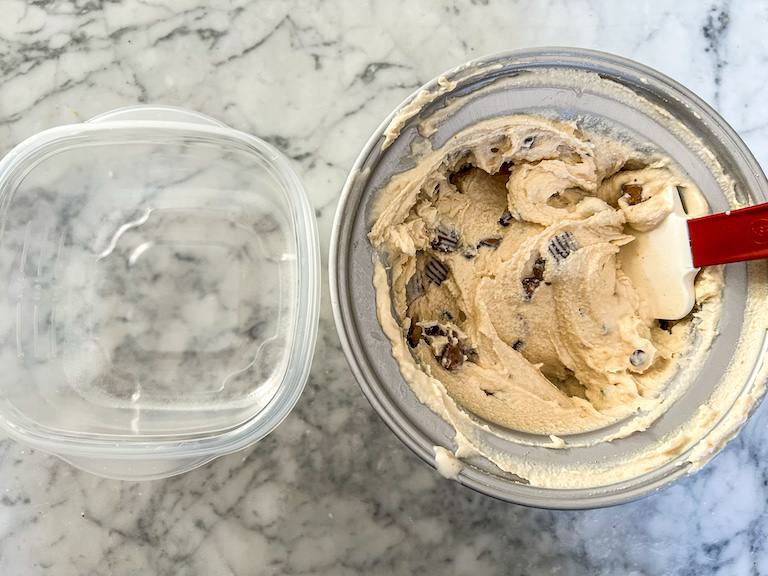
(660, 265)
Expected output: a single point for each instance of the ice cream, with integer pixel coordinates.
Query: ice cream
(504, 279)
(498, 214)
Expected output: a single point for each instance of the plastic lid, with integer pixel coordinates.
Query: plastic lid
(162, 291)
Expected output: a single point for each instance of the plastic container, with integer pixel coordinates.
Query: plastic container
(507, 84)
(161, 291)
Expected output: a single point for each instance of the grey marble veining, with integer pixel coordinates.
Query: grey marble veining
(332, 491)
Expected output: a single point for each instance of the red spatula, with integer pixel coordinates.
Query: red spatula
(662, 263)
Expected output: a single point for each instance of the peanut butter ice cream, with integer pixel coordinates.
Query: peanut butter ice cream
(505, 282)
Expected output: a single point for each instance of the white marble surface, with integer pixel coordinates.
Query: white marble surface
(332, 491)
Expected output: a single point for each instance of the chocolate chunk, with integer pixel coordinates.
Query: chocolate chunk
(532, 282)
(518, 345)
(506, 218)
(505, 169)
(562, 245)
(529, 287)
(447, 239)
(667, 324)
(414, 334)
(415, 287)
(452, 355)
(634, 193)
(490, 243)
(638, 358)
(436, 271)
(433, 330)
(528, 142)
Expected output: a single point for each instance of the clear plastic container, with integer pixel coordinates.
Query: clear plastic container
(162, 291)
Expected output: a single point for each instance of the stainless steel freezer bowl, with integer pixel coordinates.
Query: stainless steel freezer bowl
(353, 297)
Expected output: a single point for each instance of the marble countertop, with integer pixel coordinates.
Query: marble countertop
(332, 491)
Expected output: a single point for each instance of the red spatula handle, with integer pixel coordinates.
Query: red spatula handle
(733, 236)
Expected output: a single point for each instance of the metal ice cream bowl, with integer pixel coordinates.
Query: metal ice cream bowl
(488, 88)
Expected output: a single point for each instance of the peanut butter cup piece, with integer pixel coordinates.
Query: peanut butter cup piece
(562, 246)
(529, 287)
(436, 271)
(452, 355)
(446, 239)
(634, 193)
(414, 334)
